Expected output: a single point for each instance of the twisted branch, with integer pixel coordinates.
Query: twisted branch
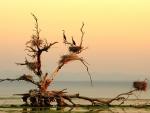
(127, 93)
(82, 34)
(107, 102)
(87, 70)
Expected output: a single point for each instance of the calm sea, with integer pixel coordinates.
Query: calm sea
(101, 89)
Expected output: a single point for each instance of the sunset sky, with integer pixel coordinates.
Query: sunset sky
(117, 33)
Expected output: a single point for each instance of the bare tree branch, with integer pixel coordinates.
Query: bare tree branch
(127, 93)
(45, 48)
(87, 71)
(36, 26)
(82, 34)
(33, 56)
(107, 102)
(24, 77)
(33, 50)
(65, 39)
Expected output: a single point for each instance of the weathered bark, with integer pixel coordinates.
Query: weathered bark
(92, 100)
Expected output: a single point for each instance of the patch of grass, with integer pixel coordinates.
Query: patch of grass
(7, 98)
(72, 109)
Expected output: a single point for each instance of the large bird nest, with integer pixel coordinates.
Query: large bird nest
(75, 49)
(140, 85)
(67, 58)
(35, 42)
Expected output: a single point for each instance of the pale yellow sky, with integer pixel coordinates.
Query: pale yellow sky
(116, 31)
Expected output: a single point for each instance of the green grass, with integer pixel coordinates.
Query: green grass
(83, 107)
(6, 98)
(19, 109)
(54, 109)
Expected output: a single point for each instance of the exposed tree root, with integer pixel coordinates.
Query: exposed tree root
(45, 98)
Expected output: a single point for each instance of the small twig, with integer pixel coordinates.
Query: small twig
(88, 72)
(45, 48)
(81, 50)
(128, 93)
(7, 100)
(36, 26)
(124, 100)
(65, 39)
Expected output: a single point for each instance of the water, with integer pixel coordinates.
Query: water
(101, 89)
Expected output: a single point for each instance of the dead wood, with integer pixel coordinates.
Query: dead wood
(45, 98)
(27, 78)
(37, 46)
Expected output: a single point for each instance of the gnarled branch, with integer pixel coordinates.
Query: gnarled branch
(24, 77)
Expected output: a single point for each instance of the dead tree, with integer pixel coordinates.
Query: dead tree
(36, 46)
(41, 97)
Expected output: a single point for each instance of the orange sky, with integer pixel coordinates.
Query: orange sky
(116, 31)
